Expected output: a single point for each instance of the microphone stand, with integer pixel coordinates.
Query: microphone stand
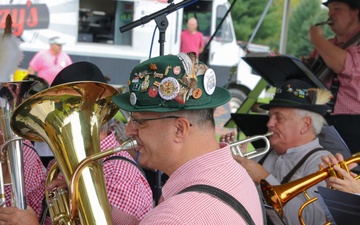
(162, 23)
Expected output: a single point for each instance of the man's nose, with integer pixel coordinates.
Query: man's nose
(130, 130)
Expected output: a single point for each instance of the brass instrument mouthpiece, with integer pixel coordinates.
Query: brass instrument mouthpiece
(330, 22)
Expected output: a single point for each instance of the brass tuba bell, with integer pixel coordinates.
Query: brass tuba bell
(68, 118)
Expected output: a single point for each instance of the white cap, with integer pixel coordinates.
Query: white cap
(56, 40)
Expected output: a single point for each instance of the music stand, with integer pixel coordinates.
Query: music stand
(278, 69)
(341, 207)
(252, 124)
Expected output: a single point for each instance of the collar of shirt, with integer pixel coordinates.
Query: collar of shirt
(187, 173)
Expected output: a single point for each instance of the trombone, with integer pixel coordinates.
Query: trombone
(235, 147)
(277, 196)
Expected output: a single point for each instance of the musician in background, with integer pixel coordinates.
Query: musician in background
(348, 183)
(296, 118)
(341, 56)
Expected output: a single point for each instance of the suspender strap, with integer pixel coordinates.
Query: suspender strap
(261, 161)
(223, 196)
(298, 165)
(127, 160)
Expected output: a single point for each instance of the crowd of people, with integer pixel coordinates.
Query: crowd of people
(172, 121)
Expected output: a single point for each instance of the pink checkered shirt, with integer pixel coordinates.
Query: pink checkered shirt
(34, 179)
(348, 97)
(127, 188)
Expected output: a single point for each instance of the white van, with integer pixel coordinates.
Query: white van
(91, 29)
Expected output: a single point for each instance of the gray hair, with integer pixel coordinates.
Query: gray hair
(200, 117)
(318, 120)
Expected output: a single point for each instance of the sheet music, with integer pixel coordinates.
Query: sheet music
(277, 69)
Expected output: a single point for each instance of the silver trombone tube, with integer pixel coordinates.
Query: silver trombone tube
(235, 147)
(11, 96)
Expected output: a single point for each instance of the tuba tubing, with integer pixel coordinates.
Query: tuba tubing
(277, 196)
(127, 145)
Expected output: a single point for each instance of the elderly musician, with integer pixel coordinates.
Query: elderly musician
(296, 118)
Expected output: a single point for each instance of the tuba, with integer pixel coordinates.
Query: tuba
(278, 196)
(68, 118)
(11, 95)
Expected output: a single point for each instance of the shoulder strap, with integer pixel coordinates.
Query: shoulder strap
(298, 165)
(127, 160)
(224, 196)
(261, 161)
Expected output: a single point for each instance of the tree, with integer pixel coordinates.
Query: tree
(246, 14)
(304, 13)
(307, 13)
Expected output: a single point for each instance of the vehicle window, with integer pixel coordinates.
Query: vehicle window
(224, 33)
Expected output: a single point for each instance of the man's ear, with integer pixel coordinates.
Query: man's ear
(182, 128)
(307, 124)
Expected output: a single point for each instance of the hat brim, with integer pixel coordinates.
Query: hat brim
(219, 97)
(320, 109)
(351, 3)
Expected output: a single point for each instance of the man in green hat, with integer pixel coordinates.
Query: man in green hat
(172, 100)
(336, 62)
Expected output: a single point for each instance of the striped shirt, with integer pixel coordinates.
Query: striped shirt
(217, 169)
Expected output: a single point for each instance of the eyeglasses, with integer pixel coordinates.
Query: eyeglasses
(138, 123)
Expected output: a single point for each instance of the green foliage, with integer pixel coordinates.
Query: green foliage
(304, 13)
(247, 13)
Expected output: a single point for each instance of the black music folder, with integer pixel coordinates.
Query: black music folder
(252, 124)
(341, 208)
(277, 69)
